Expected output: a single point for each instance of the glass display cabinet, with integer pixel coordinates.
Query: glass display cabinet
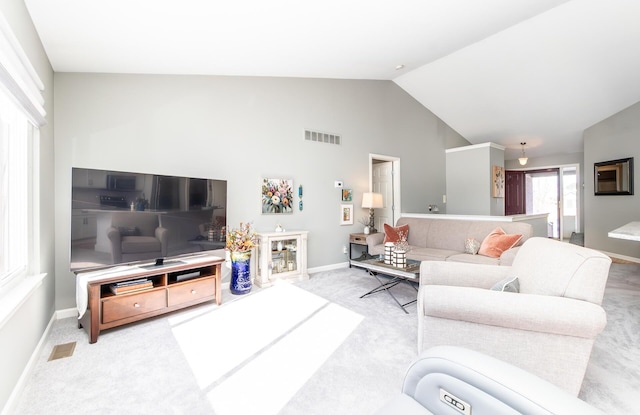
(281, 256)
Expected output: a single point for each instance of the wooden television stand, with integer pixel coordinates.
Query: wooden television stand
(177, 284)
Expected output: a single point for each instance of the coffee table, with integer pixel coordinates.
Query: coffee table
(376, 267)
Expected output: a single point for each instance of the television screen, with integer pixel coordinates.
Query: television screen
(125, 217)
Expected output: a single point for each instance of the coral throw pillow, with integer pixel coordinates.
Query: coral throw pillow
(497, 242)
(392, 234)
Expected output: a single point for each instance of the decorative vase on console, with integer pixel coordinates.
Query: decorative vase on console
(240, 243)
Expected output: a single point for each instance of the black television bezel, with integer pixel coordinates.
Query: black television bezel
(190, 204)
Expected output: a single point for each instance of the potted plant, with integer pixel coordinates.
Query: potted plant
(141, 203)
(240, 243)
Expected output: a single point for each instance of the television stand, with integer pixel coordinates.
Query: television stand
(152, 291)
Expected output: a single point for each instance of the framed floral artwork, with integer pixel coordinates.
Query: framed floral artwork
(497, 178)
(277, 196)
(346, 214)
(347, 195)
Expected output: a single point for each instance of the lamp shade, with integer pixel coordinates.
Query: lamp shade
(523, 159)
(372, 200)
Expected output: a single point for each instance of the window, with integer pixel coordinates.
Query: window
(21, 115)
(16, 134)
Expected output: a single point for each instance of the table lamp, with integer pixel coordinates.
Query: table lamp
(372, 201)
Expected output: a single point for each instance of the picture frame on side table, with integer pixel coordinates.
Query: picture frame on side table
(346, 214)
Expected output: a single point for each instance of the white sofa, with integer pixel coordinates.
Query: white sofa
(444, 239)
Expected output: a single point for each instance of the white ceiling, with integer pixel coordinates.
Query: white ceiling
(505, 71)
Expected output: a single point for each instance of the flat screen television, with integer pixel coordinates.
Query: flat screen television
(120, 217)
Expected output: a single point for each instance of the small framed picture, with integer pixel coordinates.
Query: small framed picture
(346, 214)
(347, 195)
(498, 181)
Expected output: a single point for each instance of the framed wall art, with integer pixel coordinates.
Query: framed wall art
(346, 214)
(347, 195)
(277, 196)
(497, 178)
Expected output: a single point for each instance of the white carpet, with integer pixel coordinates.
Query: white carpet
(310, 348)
(267, 345)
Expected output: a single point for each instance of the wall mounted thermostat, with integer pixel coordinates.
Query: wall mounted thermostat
(338, 184)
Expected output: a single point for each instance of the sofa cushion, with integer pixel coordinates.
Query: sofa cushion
(497, 242)
(128, 231)
(429, 254)
(395, 234)
(474, 259)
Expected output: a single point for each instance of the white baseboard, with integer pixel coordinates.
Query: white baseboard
(20, 385)
(66, 313)
(622, 257)
(328, 267)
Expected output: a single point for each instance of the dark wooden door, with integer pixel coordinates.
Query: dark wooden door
(514, 195)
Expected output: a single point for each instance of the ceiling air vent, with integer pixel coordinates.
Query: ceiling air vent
(319, 137)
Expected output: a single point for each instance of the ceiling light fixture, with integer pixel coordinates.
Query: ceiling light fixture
(523, 159)
(398, 67)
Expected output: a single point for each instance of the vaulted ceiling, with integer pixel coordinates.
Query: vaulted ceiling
(505, 71)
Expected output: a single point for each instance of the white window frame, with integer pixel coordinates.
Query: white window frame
(21, 85)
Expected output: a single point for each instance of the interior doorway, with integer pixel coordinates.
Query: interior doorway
(552, 190)
(384, 178)
(542, 190)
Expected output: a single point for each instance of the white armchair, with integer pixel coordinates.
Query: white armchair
(136, 236)
(548, 328)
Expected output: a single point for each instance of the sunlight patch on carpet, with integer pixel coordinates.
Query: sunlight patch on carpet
(266, 383)
(216, 342)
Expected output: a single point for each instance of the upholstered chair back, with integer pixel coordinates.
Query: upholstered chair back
(549, 267)
(146, 223)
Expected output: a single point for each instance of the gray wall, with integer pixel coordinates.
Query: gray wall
(243, 129)
(21, 333)
(496, 204)
(469, 180)
(616, 137)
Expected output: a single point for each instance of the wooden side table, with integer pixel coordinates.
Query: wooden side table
(359, 239)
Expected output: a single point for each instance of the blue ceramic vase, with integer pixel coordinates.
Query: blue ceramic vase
(240, 272)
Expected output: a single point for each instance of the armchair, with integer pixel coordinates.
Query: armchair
(135, 236)
(548, 328)
(447, 376)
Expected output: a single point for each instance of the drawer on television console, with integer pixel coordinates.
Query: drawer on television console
(129, 305)
(181, 293)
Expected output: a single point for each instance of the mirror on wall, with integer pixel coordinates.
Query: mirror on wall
(614, 177)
